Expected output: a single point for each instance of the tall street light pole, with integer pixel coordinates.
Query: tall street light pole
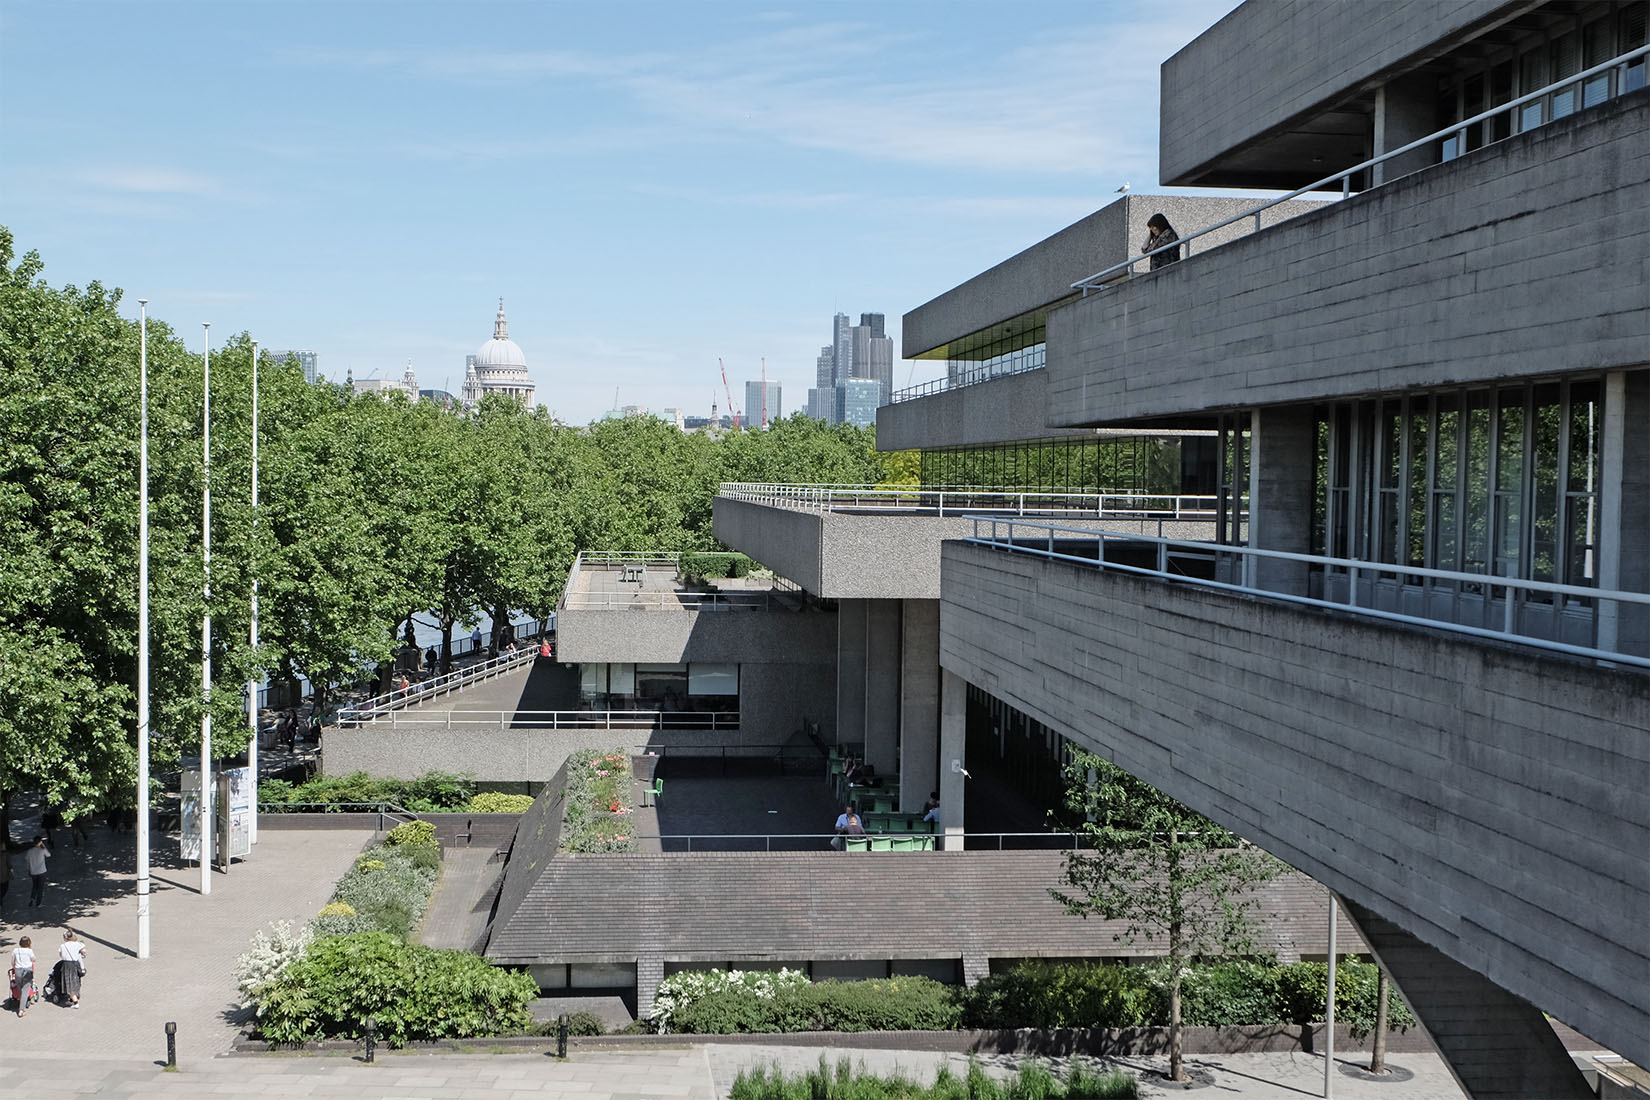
(206, 616)
(143, 635)
(252, 682)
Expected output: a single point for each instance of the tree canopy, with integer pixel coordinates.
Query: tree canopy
(371, 508)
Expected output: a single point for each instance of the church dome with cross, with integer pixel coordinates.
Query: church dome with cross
(498, 366)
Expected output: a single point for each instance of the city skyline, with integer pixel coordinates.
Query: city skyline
(369, 192)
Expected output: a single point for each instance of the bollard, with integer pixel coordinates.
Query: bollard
(171, 1044)
(370, 1030)
(561, 1036)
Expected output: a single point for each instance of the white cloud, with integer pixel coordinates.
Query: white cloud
(149, 180)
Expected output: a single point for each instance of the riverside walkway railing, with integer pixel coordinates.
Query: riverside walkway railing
(807, 842)
(957, 500)
(546, 719)
(1588, 88)
(1505, 609)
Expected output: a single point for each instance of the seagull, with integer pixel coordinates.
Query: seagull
(1122, 189)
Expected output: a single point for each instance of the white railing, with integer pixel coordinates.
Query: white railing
(547, 719)
(1534, 613)
(762, 600)
(1120, 272)
(422, 691)
(957, 500)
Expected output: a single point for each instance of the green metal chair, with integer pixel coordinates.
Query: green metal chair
(898, 823)
(882, 843)
(859, 844)
(653, 792)
(882, 804)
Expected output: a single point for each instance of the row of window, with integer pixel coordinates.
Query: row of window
(1611, 31)
(1131, 464)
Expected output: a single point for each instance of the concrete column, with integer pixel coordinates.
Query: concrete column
(1405, 109)
(650, 971)
(882, 669)
(919, 702)
(1495, 1044)
(1624, 521)
(976, 967)
(953, 741)
(1283, 454)
(850, 672)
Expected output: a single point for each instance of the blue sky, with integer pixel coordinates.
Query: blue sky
(648, 186)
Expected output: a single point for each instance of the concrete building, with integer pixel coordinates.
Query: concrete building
(407, 383)
(1410, 658)
(498, 366)
(762, 403)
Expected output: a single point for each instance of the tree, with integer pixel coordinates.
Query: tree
(1171, 875)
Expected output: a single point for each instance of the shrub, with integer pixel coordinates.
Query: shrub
(337, 909)
(412, 992)
(1042, 994)
(585, 1023)
(1032, 1082)
(892, 1004)
(681, 990)
(597, 803)
(268, 958)
(431, 792)
(697, 568)
(1220, 994)
(411, 832)
(1300, 987)
(494, 802)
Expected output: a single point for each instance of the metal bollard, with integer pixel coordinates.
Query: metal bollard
(561, 1036)
(171, 1044)
(370, 1036)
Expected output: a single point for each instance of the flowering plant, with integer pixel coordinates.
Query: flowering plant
(680, 990)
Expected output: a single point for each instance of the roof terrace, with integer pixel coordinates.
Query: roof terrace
(652, 580)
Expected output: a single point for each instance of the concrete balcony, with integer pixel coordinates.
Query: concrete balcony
(1524, 258)
(1487, 799)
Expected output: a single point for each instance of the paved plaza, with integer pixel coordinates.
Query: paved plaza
(114, 1046)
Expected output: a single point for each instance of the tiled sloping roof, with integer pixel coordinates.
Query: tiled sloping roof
(796, 906)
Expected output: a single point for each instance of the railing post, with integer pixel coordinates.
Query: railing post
(1509, 619)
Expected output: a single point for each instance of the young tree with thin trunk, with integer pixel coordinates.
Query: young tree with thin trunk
(1174, 878)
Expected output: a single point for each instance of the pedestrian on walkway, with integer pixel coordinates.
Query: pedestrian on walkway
(71, 967)
(5, 864)
(35, 860)
(22, 974)
(78, 826)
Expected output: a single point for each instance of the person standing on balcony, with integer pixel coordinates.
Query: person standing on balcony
(1158, 234)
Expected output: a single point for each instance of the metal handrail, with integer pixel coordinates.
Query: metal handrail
(1344, 176)
(1075, 838)
(964, 378)
(757, 600)
(1012, 535)
(423, 691)
(551, 719)
(958, 501)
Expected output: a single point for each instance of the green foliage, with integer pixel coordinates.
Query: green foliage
(1300, 988)
(371, 509)
(597, 803)
(495, 802)
(585, 1023)
(697, 568)
(725, 1002)
(432, 792)
(388, 888)
(412, 992)
(1219, 994)
(1048, 995)
(411, 832)
(844, 1082)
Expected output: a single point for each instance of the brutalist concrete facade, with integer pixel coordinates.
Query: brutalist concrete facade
(1482, 806)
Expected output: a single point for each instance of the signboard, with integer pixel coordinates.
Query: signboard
(233, 809)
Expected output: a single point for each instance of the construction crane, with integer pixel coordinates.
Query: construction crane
(732, 408)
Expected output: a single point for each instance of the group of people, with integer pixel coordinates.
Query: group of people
(848, 822)
(286, 731)
(63, 984)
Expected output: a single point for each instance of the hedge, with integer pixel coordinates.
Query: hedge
(697, 568)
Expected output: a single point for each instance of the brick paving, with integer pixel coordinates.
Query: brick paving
(463, 898)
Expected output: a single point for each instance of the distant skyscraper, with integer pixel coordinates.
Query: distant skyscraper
(842, 348)
(307, 359)
(856, 352)
(874, 355)
(856, 402)
(754, 407)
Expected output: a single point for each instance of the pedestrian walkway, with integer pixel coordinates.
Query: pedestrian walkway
(194, 940)
(463, 900)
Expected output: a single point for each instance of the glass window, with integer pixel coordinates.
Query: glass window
(1531, 76)
(713, 679)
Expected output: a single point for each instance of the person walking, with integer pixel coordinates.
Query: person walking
(5, 864)
(71, 967)
(35, 860)
(22, 974)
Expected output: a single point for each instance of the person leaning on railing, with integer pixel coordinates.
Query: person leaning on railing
(1159, 234)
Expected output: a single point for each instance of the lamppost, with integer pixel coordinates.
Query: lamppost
(206, 822)
(252, 682)
(143, 634)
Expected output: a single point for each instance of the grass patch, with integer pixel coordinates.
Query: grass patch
(844, 1082)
